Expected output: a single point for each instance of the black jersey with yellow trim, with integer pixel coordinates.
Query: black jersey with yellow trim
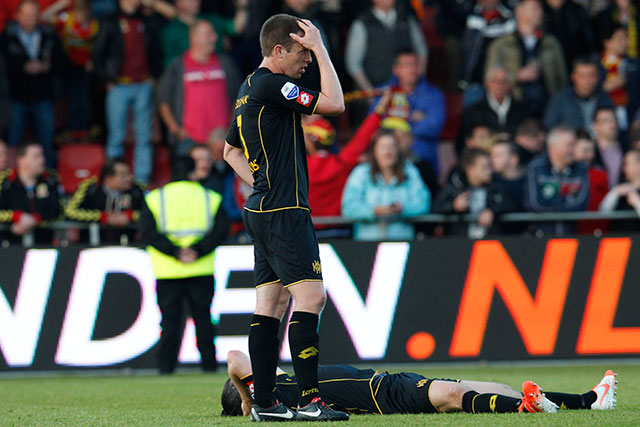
(267, 128)
(361, 391)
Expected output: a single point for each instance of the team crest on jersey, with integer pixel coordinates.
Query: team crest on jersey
(304, 99)
(290, 91)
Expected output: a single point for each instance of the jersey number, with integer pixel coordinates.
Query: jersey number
(253, 166)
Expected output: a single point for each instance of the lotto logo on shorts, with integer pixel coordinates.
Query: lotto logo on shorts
(304, 99)
(317, 268)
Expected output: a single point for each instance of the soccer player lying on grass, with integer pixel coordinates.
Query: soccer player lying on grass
(361, 391)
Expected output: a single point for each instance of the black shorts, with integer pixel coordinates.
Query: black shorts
(285, 247)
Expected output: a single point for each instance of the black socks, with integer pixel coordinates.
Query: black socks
(264, 346)
(572, 401)
(303, 341)
(476, 403)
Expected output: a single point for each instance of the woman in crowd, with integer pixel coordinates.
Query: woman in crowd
(384, 192)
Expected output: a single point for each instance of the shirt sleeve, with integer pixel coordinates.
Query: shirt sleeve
(283, 92)
(233, 137)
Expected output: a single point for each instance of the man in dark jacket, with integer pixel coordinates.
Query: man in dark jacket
(114, 199)
(556, 182)
(29, 195)
(127, 57)
(32, 54)
(480, 195)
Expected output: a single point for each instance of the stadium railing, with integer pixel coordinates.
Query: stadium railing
(94, 229)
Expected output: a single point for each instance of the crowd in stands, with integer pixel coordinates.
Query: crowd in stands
(483, 107)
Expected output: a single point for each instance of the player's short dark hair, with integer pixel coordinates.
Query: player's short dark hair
(21, 149)
(276, 31)
(470, 155)
(109, 167)
(231, 400)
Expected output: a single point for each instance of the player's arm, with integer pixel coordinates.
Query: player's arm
(236, 159)
(239, 366)
(332, 100)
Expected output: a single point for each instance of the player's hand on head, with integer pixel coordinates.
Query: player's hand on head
(311, 39)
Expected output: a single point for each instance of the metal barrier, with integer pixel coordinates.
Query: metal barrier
(516, 217)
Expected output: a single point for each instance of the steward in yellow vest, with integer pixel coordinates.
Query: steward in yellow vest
(182, 223)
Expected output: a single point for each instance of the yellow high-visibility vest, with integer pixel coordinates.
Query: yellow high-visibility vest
(184, 211)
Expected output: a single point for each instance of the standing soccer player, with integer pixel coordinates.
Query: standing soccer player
(265, 146)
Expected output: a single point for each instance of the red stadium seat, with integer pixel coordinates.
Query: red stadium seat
(77, 162)
(454, 117)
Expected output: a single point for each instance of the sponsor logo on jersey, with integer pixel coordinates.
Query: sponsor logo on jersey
(290, 91)
(304, 99)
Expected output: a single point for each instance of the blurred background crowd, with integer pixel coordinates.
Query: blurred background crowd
(483, 107)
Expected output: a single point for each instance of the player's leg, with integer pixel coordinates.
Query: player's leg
(602, 396)
(491, 387)
(451, 396)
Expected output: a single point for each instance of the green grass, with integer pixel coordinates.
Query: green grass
(194, 399)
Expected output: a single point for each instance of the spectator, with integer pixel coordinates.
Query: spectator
(575, 106)
(569, 23)
(615, 67)
(113, 199)
(585, 152)
(634, 139)
(625, 196)
(533, 57)
(29, 195)
(196, 91)
(623, 13)
(609, 151)
(530, 139)
(77, 31)
(497, 110)
(386, 190)
(5, 105)
(127, 57)
(451, 18)
(175, 34)
(4, 156)
(8, 9)
(33, 58)
(488, 21)
(328, 172)
(426, 111)
(213, 173)
(378, 34)
(556, 182)
(479, 195)
(505, 163)
(402, 130)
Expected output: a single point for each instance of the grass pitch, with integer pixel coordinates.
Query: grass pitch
(194, 399)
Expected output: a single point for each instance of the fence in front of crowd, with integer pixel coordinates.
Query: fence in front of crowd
(517, 217)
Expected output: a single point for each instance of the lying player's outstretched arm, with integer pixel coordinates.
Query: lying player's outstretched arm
(332, 100)
(236, 159)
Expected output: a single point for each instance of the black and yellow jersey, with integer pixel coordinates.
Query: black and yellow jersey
(266, 126)
(361, 391)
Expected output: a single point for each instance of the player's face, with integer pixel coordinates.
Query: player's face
(295, 61)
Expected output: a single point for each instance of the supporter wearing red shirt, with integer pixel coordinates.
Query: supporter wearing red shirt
(328, 172)
(585, 151)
